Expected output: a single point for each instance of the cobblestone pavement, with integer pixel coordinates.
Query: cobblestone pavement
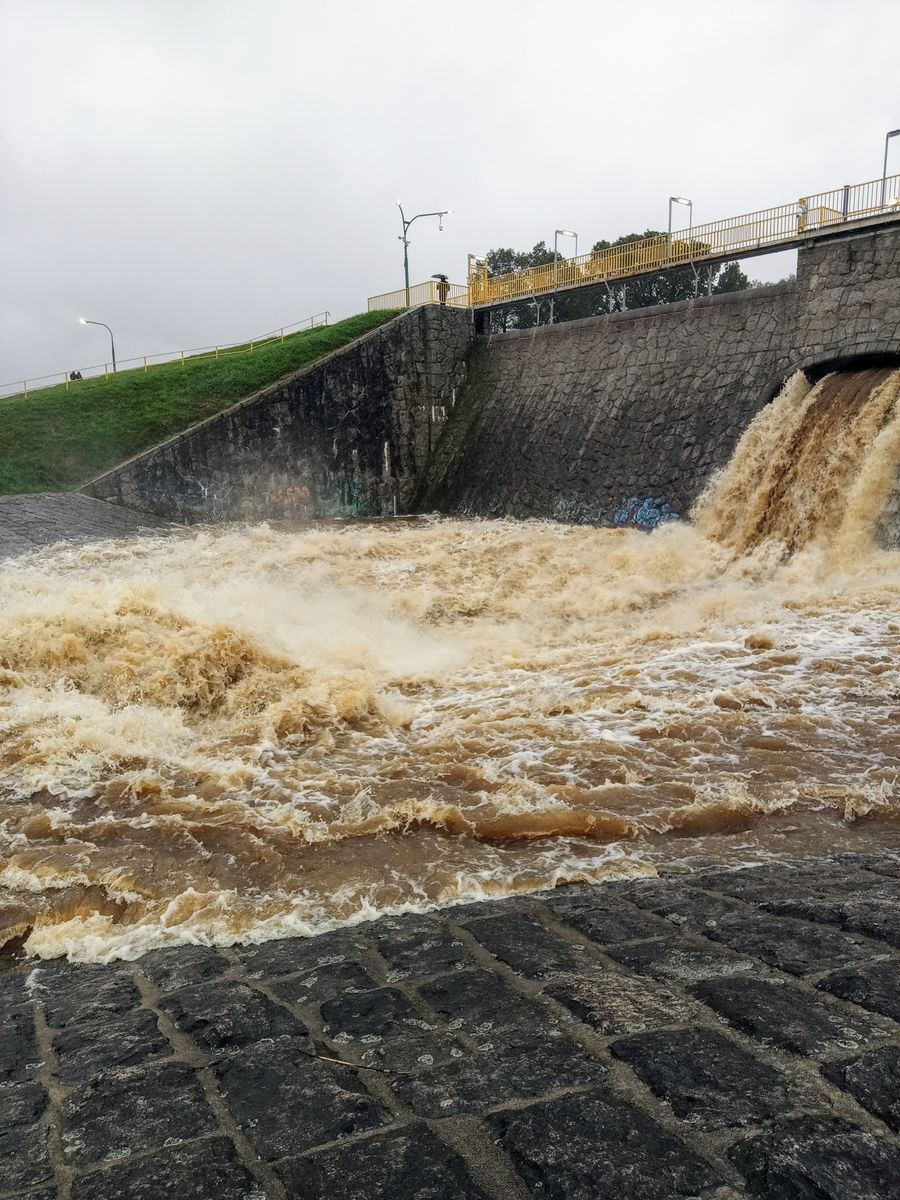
(29, 522)
(723, 1035)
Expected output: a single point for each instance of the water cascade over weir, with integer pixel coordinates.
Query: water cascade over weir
(245, 733)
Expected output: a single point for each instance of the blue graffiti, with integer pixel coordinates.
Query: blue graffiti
(646, 514)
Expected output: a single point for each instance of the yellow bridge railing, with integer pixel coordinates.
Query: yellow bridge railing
(420, 293)
(732, 237)
(146, 361)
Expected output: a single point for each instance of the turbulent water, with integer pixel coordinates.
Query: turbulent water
(243, 733)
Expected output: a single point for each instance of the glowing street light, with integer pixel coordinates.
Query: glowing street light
(85, 321)
(446, 212)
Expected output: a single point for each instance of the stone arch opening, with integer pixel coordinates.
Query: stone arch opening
(818, 368)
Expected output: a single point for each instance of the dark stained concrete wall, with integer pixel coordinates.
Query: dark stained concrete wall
(568, 421)
(344, 437)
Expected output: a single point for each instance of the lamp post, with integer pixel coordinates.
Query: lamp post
(557, 234)
(690, 207)
(112, 342)
(887, 138)
(405, 240)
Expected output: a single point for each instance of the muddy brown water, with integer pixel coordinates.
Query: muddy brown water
(244, 733)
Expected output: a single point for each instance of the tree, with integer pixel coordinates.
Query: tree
(660, 287)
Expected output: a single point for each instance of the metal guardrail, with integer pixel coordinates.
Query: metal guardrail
(732, 237)
(24, 387)
(421, 293)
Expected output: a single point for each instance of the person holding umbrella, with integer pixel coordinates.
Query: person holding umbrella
(443, 288)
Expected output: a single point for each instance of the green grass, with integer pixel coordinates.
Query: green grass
(56, 439)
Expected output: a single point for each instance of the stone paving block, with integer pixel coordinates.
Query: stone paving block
(289, 956)
(881, 864)
(597, 1147)
(706, 1078)
(481, 1005)
(818, 1158)
(182, 967)
(875, 986)
(529, 948)
(383, 1013)
(387, 1031)
(822, 878)
(23, 1137)
(526, 1064)
(795, 946)
(416, 946)
(286, 1102)
(13, 991)
(409, 1164)
(789, 1017)
(604, 926)
(224, 1014)
(676, 960)
(614, 1003)
(206, 1170)
(124, 1112)
(665, 895)
(70, 993)
(874, 1079)
(19, 1053)
(323, 983)
(873, 918)
(124, 1041)
(24, 1161)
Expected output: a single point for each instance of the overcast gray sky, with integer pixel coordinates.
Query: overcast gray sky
(193, 171)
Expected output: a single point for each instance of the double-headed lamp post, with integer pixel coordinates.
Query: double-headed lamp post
(887, 137)
(405, 240)
(112, 341)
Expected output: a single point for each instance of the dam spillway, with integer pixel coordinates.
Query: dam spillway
(245, 733)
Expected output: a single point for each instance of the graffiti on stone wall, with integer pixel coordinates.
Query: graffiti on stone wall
(646, 513)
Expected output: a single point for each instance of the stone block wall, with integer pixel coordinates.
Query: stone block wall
(347, 436)
(568, 421)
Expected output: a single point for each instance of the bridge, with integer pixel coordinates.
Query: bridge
(766, 231)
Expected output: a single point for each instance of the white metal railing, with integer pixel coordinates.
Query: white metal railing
(57, 378)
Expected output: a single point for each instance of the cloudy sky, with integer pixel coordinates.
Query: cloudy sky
(194, 171)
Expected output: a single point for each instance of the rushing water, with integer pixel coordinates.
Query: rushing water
(246, 732)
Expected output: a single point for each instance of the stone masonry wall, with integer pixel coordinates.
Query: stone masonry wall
(568, 421)
(345, 437)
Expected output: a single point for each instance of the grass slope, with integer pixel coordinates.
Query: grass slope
(58, 439)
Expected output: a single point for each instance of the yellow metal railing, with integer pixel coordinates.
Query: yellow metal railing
(146, 361)
(421, 293)
(734, 236)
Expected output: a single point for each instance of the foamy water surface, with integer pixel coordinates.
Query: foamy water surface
(248, 732)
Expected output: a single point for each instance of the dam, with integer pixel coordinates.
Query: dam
(563, 422)
(491, 850)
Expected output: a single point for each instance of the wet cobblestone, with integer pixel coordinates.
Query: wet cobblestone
(719, 1036)
(29, 522)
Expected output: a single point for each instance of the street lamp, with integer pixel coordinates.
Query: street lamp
(405, 240)
(557, 234)
(690, 206)
(887, 138)
(563, 233)
(85, 321)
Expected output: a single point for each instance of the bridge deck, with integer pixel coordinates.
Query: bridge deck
(766, 231)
